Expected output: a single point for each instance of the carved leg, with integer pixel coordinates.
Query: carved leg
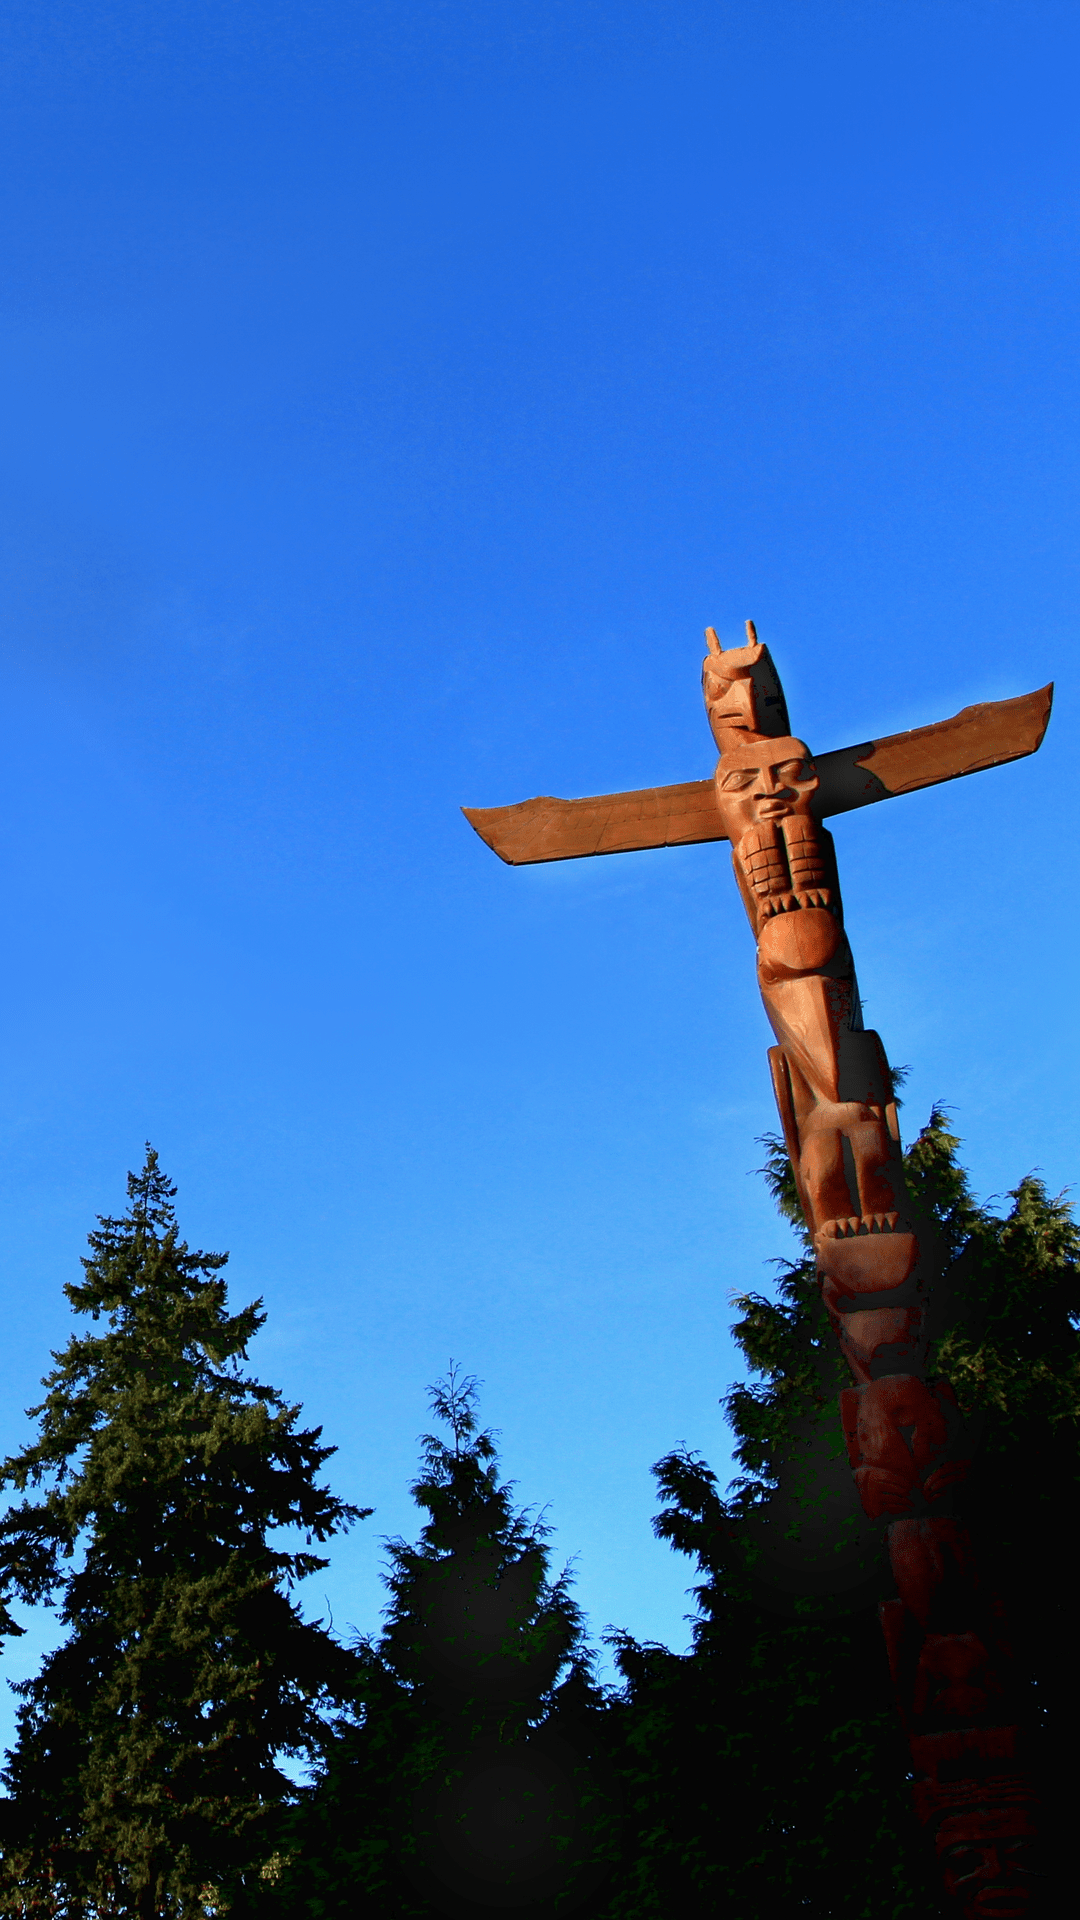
(837, 1128)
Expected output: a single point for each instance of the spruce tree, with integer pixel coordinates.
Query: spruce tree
(147, 1771)
(469, 1776)
(766, 1770)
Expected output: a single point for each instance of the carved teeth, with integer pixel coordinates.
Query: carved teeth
(886, 1222)
(855, 1224)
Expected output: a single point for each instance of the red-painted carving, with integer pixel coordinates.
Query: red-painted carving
(950, 1661)
(947, 1647)
(985, 1833)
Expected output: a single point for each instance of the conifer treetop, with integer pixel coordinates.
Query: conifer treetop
(168, 1491)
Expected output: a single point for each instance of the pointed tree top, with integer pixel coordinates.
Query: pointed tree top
(152, 1194)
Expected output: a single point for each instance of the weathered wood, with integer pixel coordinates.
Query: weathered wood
(550, 829)
(877, 1254)
(982, 736)
(988, 735)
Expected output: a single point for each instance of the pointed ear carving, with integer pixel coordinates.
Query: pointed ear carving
(713, 639)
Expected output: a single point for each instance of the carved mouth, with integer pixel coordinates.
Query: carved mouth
(859, 1223)
(774, 903)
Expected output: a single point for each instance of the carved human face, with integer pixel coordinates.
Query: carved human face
(985, 1858)
(763, 780)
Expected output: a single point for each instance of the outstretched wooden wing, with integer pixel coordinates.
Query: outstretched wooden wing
(548, 829)
(983, 736)
(979, 737)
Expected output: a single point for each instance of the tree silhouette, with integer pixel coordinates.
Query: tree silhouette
(146, 1772)
(470, 1777)
(766, 1770)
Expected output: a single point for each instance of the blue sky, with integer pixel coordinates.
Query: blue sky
(391, 395)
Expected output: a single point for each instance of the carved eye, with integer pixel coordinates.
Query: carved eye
(796, 770)
(739, 779)
(963, 1860)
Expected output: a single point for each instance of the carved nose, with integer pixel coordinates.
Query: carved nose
(770, 788)
(991, 1867)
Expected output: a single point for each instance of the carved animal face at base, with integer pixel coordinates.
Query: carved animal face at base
(764, 780)
(986, 1860)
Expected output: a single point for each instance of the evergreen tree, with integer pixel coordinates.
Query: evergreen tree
(146, 1774)
(766, 1771)
(465, 1778)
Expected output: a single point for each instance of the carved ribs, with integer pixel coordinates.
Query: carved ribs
(808, 862)
(764, 856)
(787, 866)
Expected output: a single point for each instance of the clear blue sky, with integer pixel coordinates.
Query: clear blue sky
(392, 393)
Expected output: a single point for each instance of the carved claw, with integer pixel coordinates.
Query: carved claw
(882, 1492)
(944, 1477)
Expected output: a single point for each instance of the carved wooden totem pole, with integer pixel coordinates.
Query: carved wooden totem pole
(946, 1637)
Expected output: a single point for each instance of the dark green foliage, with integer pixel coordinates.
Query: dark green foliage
(766, 1771)
(463, 1773)
(474, 1627)
(1012, 1351)
(145, 1777)
(476, 1767)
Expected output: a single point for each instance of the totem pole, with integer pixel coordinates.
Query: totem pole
(947, 1641)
